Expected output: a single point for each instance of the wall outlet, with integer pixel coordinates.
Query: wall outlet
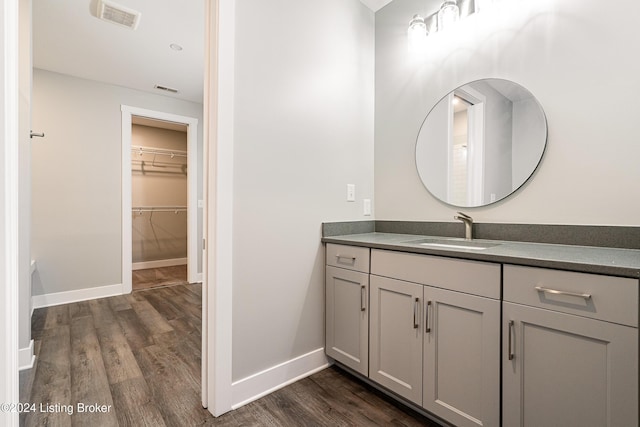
(351, 192)
(367, 207)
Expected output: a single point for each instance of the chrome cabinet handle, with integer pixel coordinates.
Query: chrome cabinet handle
(352, 258)
(427, 328)
(511, 327)
(557, 292)
(416, 304)
(363, 298)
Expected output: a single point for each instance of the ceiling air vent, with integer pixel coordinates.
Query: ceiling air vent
(118, 14)
(166, 89)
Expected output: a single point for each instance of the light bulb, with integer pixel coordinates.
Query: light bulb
(417, 33)
(448, 14)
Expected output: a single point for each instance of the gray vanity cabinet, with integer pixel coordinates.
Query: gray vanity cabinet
(570, 349)
(435, 334)
(461, 357)
(347, 301)
(396, 336)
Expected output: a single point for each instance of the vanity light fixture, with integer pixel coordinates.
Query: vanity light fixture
(417, 30)
(448, 14)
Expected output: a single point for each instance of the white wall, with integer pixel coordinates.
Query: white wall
(76, 180)
(303, 131)
(573, 55)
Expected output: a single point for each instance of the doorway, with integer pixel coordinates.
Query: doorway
(158, 230)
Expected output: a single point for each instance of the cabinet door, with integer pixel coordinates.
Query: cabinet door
(396, 336)
(565, 370)
(347, 318)
(462, 357)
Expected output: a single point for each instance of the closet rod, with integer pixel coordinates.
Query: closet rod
(175, 209)
(161, 151)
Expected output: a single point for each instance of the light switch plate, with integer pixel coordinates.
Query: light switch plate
(351, 192)
(367, 207)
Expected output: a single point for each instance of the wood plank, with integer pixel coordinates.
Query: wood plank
(135, 404)
(171, 383)
(89, 383)
(150, 318)
(52, 379)
(37, 322)
(362, 400)
(56, 316)
(119, 303)
(163, 305)
(79, 309)
(119, 362)
(137, 335)
(101, 312)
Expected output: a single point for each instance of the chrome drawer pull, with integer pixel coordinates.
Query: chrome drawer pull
(352, 258)
(363, 298)
(511, 354)
(556, 292)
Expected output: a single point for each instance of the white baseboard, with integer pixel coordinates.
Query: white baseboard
(199, 278)
(258, 385)
(26, 358)
(158, 263)
(48, 300)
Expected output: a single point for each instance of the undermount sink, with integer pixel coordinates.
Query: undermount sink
(453, 243)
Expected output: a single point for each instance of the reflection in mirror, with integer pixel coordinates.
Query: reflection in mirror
(481, 142)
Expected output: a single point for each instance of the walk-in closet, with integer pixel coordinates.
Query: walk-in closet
(159, 203)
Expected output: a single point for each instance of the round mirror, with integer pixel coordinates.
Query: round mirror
(481, 142)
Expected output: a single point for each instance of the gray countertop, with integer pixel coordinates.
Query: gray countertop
(587, 259)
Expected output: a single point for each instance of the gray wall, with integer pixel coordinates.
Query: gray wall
(76, 178)
(303, 131)
(574, 56)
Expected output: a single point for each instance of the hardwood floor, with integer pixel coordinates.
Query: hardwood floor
(158, 277)
(139, 356)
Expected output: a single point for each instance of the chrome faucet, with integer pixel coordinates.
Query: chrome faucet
(468, 224)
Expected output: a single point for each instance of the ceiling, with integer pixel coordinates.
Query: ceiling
(68, 38)
(376, 5)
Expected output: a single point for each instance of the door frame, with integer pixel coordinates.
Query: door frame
(9, 209)
(217, 266)
(192, 190)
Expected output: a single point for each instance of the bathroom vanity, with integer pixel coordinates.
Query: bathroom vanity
(488, 333)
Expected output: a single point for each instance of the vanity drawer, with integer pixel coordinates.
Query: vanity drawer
(472, 277)
(349, 257)
(614, 299)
